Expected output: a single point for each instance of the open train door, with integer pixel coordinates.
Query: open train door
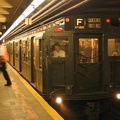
(89, 63)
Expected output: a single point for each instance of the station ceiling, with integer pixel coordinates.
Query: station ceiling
(10, 10)
(52, 9)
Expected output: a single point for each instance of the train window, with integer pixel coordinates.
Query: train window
(24, 45)
(88, 50)
(114, 47)
(11, 49)
(59, 47)
(16, 49)
(23, 51)
(27, 50)
(40, 53)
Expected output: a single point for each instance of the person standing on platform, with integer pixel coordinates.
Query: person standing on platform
(4, 57)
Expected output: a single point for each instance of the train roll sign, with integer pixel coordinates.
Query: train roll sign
(80, 23)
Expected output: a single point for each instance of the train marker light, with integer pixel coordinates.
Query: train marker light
(58, 100)
(67, 19)
(108, 20)
(58, 29)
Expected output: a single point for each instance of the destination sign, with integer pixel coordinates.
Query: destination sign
(84, 23)
(81, 23)
(94, 22)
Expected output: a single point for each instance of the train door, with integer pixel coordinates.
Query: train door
(58, 60)
(39, 64)
(89, 63)
(113, 59)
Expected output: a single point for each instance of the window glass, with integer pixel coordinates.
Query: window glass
(59, 47)
(40, 53)
(23, 50)
(11, 49)
(16, 49)
(88, 50)
(27, 50)
(114, 47)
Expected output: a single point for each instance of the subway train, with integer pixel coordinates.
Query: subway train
(71, 58)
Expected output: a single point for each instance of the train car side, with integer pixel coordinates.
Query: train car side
(75, 61)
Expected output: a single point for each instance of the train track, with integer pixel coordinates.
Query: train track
(115, 114)
(70, 111)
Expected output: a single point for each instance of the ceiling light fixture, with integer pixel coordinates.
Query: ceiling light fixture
(27, 12)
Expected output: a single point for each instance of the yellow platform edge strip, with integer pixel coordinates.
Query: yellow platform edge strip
(45, 105)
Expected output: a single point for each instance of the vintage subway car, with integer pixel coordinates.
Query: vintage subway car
(75, 58)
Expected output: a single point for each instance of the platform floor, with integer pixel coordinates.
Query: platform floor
(21, 102)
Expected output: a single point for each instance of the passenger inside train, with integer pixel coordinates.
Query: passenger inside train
(113, 47)
(85, 51)
(114, 53)
(57, 51)
(88, 50)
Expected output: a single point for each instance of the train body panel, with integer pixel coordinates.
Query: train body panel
(61, 79)
(78, 60)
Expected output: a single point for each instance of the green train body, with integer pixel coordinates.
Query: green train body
(74, 74)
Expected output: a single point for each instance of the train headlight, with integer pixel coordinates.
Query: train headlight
(118, 96)
(59, 100)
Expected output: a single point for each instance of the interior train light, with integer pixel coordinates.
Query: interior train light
(59, 100)
(108, 20)
(27, 12)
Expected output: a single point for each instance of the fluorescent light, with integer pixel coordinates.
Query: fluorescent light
(27, 12)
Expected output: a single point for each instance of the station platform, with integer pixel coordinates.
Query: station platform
(21, 102)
